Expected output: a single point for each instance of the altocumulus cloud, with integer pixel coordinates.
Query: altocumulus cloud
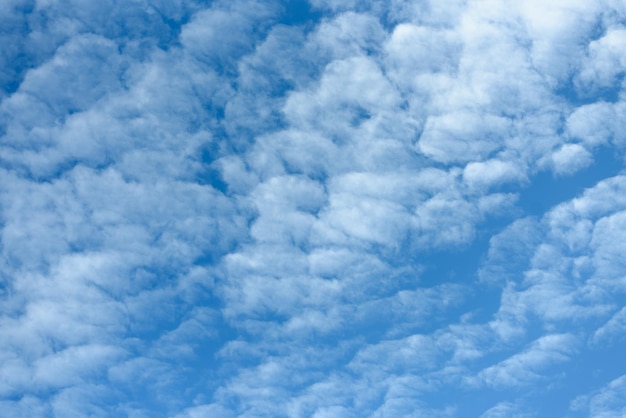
(312, 209)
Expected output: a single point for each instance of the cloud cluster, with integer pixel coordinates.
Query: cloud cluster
(223, 209)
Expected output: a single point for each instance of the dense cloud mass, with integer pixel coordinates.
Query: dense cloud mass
(245, 208)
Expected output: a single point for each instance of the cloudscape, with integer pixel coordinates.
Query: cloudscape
(322, 208)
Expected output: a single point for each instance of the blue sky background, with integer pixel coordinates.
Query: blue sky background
(312, 209)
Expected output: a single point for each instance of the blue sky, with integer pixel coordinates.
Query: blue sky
(247, 208)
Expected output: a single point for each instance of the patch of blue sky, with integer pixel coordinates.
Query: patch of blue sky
(298, 12)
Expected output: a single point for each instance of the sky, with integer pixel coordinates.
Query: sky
(332, 208)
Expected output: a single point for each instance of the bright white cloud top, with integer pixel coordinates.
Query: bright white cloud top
(247, 208)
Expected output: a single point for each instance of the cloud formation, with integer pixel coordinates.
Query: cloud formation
(244, 208)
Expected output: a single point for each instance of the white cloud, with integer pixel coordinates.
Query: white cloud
(414, 50)
(285, 205)
(570, 262)
(506, 410)
(207, 210)
(348, 35)
(369, 220)
(70, 366)
(206, 411)
(592, 123)
(365, 93)
(612, 330)
(26, 406)
(605, 61)
(427, 13)
(527, 366)
(461, 136)
(558, 32)
(571, 158)
(224, 32)
(608, 234)
(606, 402)
(491, 173)
(413, 354)
(609, 402)
(87, 399)
(408, 407)
(510, 250)
(604, 198)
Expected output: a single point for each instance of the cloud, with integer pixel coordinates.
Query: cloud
(27, 405)
(410, 355)
(611, 330)
(210, 209)
(506, 409)
(510, 250)
(575, 269)
(461, 136)
(599, 123)
(526, 367)
(70, 366)
(209, 34)
(557, 47)
(413, 50)
(427, 13)
(571, 158)
(206, 410)
(606, 402)
(604, 64)
(592, 123)
(365, 94)
(490, 173)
